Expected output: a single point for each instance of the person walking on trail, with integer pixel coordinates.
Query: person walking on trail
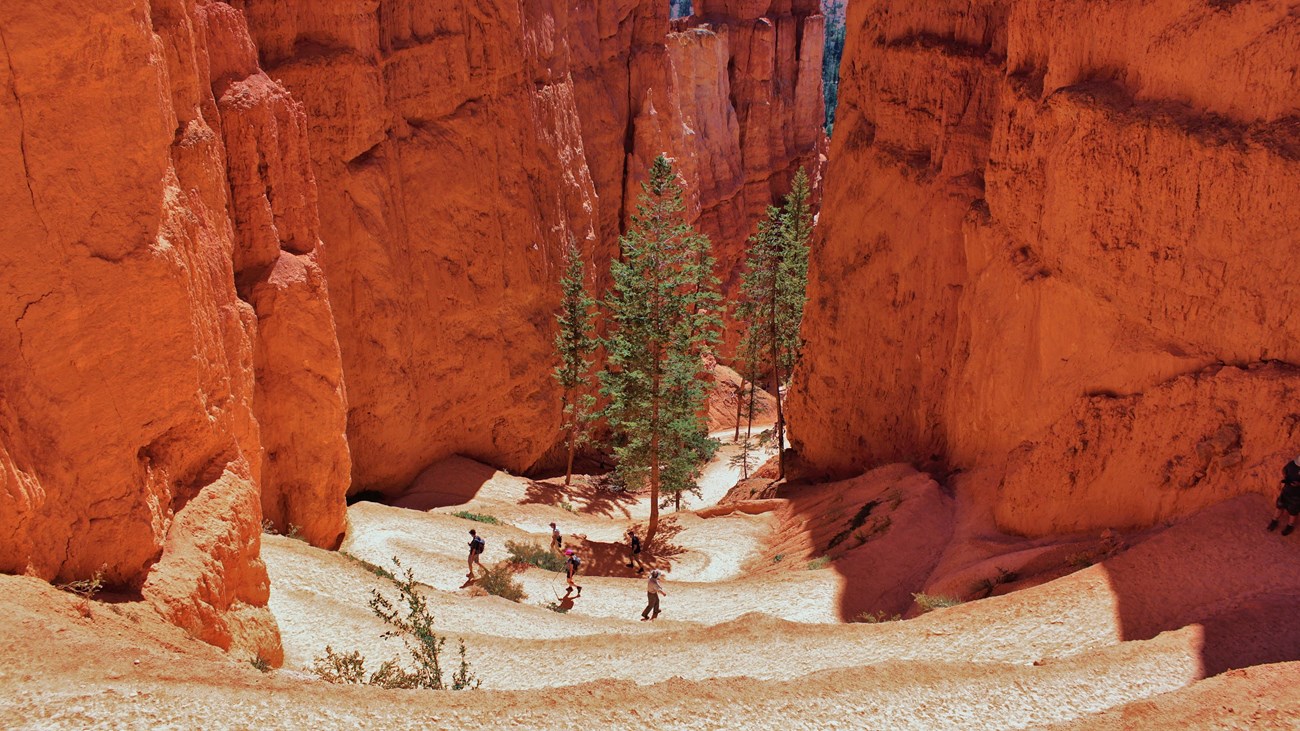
(1288, 501)
(634, 550)
(571, 566)
(557, 542)
(653, 591)
(476, 546)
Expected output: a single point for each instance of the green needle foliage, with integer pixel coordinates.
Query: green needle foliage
(575, 344)
(663, 308)
(773, 293)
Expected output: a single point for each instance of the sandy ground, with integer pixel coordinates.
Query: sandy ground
(746, 640)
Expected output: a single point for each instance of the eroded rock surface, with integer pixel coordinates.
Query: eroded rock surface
(1040, 234)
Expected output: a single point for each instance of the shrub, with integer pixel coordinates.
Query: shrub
(557, 607)
(566, 505)
(876, 617)
(534, 555)
(929, 603)
(819, 563)
(500, 581)
(778, 558)
(261, 663)
(476, 516)
(984, 587)
(410, 621)
(379, 571)
(877, 527)
(86, 589)
(856, 523)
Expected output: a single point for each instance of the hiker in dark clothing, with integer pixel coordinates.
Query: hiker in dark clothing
(1288, 501)
(476, 546)
(652, 590)
(634, 550)
(557, 542)
(571, 566)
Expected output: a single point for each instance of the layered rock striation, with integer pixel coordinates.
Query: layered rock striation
(459, 146)
(1062, 254)
(167, 336)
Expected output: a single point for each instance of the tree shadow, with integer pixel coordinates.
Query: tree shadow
(601, 558)
(586, 496)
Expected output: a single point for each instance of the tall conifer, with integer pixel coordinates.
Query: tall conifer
(663, 309)
(575, 343)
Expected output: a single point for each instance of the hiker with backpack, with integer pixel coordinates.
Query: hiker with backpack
(1288, 501)
(557, 541)
(653, 591)
(571, 566)
(634, 550)
(476, 546)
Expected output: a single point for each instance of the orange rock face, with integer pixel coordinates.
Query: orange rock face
(162, 297)
(1043, 240)
(458, 151)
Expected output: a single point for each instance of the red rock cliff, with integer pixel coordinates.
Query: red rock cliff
(459, 145)
(167, 336)
(1059, 245)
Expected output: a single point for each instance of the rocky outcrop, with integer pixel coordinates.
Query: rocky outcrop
(460, 146)
(1061, 252)
(162, 303)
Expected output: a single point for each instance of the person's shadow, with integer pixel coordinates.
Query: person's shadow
(468, 583)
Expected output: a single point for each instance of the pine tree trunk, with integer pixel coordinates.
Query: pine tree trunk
(776, 388)
(654, 459)
(740, 405)
(573, 447)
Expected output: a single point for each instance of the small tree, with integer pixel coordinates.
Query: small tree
(575, 343)
(663, 307)
(774, 290)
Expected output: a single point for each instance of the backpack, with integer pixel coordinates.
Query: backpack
(636, 543)
(575, 561)
(477, 544)
(1291, 473)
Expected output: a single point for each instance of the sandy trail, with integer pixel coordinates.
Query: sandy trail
(744, 640)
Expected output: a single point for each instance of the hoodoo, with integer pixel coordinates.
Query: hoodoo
(309, 307)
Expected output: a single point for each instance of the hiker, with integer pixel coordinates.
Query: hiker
(571, 566)
(1288, 501)
(476, 546)
(557, 542)
(652, 591)
(634, 550)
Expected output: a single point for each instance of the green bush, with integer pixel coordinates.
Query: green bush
(534, 555)
(476, 516)
(500, 581)
(410, 621)
(929, 603)
(819, 563)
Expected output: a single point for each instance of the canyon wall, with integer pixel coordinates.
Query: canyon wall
(1059, 247)
(458, 146)
(168, 364)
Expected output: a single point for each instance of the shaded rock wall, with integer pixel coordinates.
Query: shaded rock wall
(162, 299)
(460, 145)
(1063, 253)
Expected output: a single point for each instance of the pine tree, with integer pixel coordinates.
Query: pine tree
(774, 290)
(575, 344)
(663, 306)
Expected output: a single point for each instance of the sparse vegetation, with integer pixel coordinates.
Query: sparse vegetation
(534, 555)
(1082, 559)
(410, 621)
(557, 607)
(931, 602)
(858, 520)
(86, 589)
(778, 558)
(984, 587)
(500, 581)
(876, 527)
(375, 569)
(819, 563)
(876, 617)
(262, 664)
(481, 518)
(566, 505)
